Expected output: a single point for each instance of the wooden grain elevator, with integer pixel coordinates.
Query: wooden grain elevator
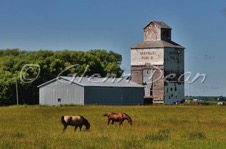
(158, 64)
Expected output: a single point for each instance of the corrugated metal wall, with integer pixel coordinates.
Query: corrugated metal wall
(174, 90)
(60, 92)
(114, 95)
(174, 60)
(174, 66)
(133, 96)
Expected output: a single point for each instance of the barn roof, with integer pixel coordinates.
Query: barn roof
(156, 44)
(94, 81)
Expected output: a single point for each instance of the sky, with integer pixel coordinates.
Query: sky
(199, 26)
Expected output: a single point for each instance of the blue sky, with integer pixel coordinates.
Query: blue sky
(200, 26)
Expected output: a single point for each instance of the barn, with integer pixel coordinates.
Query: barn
(86, 91)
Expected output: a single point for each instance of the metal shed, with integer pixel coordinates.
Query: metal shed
(84, 91)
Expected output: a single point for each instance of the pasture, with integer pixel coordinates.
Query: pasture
(39, 127)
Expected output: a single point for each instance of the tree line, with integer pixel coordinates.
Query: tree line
(25, 70)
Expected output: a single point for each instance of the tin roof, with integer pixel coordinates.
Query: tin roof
(94, 81)
(156, 44)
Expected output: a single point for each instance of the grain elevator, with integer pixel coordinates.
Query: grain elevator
(158, 63)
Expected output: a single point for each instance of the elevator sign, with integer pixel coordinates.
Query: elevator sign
(147, 56)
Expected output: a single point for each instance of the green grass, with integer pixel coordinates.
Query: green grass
(39, 127)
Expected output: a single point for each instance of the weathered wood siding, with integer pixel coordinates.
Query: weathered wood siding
(152, 32)
(157, 87)
(147, 56)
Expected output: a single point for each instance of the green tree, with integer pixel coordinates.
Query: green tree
(32, 68)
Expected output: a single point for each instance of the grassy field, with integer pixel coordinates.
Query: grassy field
(39, 127)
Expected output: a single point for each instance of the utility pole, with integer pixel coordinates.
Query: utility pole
(17, 97)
